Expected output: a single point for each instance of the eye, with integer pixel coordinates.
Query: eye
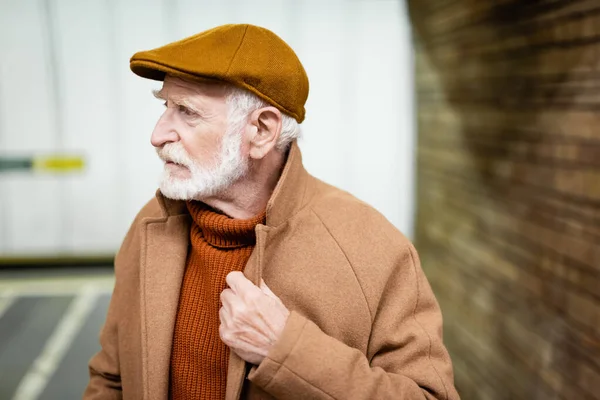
(185, 110)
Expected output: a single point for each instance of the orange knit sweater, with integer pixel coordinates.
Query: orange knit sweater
(218, 245)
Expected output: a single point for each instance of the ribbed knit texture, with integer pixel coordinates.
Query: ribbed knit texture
(218, 245)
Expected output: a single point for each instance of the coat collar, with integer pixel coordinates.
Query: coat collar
(290, 195)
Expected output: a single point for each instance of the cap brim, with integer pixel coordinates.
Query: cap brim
(157, 72)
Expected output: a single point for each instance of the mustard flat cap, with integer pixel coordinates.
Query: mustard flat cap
(244, 55)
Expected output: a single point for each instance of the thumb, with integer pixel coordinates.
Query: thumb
(266, 290)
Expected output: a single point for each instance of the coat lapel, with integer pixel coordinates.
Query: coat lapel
(163, 258)
(236, 372)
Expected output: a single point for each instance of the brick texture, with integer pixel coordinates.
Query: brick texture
(508, 222)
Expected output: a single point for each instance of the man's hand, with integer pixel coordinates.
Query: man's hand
(252, 318)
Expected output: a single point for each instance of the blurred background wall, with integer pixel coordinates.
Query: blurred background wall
(66, 88)
(508, 223)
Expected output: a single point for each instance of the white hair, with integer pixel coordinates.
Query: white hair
(242, 102)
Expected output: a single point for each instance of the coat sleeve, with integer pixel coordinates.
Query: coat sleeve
(104, 369)
(406, 358)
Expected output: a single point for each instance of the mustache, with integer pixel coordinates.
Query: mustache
(174, 152)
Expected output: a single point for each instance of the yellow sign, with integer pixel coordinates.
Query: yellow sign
(58, 163)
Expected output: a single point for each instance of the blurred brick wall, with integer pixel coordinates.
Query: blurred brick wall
(508, 224)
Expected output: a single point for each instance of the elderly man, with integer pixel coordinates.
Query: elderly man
(246, 277)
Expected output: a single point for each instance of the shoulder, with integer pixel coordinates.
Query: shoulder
(375, 249)
(352, 220)
(151, 209)
(130, 244)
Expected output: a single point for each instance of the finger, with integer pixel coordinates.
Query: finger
(239, 283)
(227, 296)
(225, 335)
(224, 316)
(231, 301)
(266, 290)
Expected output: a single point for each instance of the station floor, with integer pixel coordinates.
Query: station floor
(50, 319)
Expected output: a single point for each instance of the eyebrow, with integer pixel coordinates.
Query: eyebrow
(159, 94)
(179, 100)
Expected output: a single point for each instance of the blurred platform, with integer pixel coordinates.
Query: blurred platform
(50, 319)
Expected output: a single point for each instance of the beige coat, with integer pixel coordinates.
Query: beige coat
(364, 323)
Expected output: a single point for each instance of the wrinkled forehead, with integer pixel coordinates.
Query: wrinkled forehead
(177, 87)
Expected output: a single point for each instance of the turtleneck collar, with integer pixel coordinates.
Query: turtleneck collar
(221, 231)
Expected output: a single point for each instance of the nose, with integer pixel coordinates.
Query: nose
(164, 131)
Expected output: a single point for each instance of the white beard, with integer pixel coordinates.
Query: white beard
(229, 167)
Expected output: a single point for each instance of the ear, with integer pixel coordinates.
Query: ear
(266, 125)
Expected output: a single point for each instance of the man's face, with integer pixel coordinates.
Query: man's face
(202, 153)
